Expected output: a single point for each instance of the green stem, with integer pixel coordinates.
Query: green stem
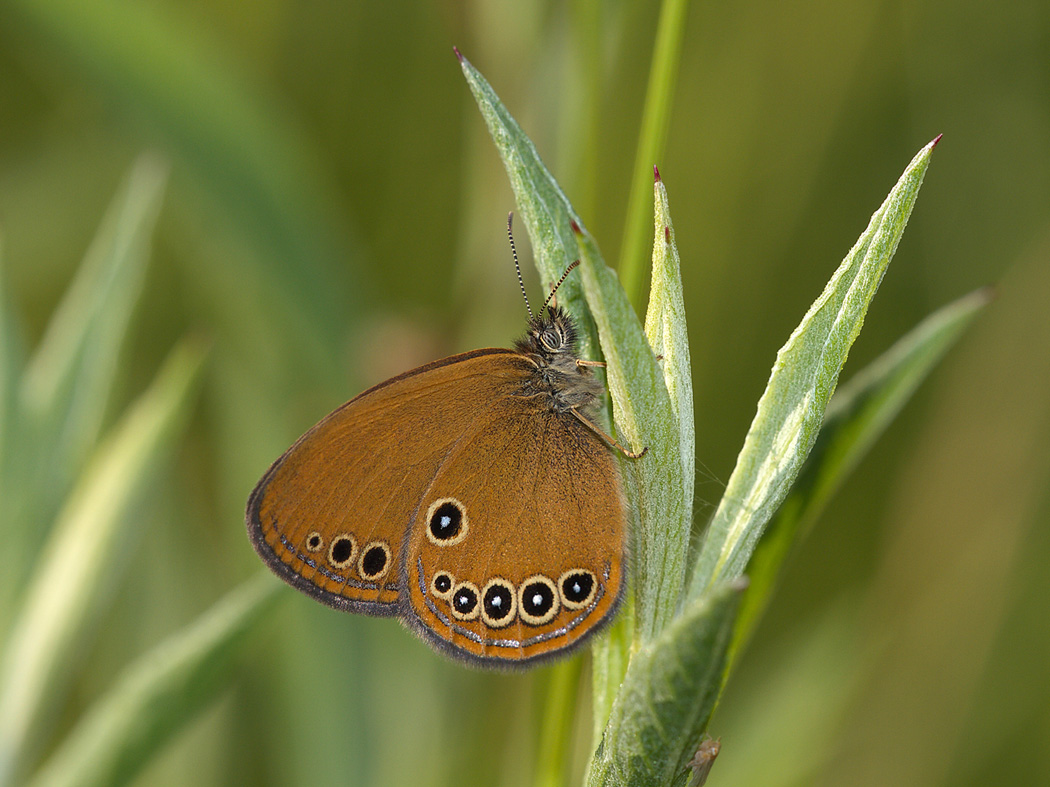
(651, 143)
(559, 715)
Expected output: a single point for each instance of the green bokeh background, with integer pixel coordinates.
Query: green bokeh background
(335, 215)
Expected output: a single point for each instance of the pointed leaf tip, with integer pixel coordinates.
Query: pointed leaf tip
(935, 141)
(656, 173)
(458, 55)
(667, 234)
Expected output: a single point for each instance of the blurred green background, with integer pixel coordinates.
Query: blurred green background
(334, 215)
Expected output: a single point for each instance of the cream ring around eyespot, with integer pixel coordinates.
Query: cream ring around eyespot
(509, 597)
(337, 554)
(366, 564)
(314, 541)
(530, 597)
(437, 592)
(578, 603)
(458, 592)
(458, 522)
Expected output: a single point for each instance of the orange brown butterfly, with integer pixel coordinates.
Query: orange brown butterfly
(475, 498)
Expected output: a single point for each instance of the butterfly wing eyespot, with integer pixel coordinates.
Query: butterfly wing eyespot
(375, 561)
(441, 585)
(447, 522)
(577, 588)
(314, 542)
(499, 603)
(465, 601)
(538, 600)
(342, 551)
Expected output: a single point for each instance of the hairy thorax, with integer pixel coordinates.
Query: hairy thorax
(550, 343)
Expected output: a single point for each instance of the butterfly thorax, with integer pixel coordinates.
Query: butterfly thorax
(550, 343)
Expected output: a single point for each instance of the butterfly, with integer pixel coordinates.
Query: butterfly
(474, 498)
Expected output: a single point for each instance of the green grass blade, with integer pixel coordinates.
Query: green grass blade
(668, 695)
(803, 379)
(76, 568)
(148, 63)
(12, 359)
(665, 327)
(642, 408)
(652, 140)
(558, 719)
(858, 414)
(159, 694)
(644, 414)
(67, 384)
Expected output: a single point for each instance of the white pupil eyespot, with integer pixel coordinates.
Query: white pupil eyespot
(537, 599)
(576, 588)
(446, 521)
(497, 602)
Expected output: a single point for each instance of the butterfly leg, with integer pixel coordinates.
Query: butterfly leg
(607, 438)
(602, 364)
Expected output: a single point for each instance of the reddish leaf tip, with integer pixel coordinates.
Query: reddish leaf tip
(935, 141)
(656, 173)
(667, 234)
(458, 55)
(575, 227)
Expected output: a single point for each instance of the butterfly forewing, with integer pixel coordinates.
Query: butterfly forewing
(330, 515)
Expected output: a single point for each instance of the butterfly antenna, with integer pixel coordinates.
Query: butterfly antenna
(517, 268)
(554, 289)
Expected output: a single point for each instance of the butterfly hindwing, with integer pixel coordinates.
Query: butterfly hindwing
(517, 548)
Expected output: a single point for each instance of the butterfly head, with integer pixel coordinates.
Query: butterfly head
(550, 335)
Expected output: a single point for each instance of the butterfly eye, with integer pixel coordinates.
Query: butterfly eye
(577, 587)
(465, 601)
(441, 584)
(375, 560)
(551, 340)
(342, 551)
(538, 600)
(498, 603)
(446, 522)
(314, 542)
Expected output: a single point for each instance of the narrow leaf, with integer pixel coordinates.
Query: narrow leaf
(665, 328)
(643, 411)
(159, 694)
(75, 571)
(67, 384)
(856, 417)
(792, 407)
(667, 696)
